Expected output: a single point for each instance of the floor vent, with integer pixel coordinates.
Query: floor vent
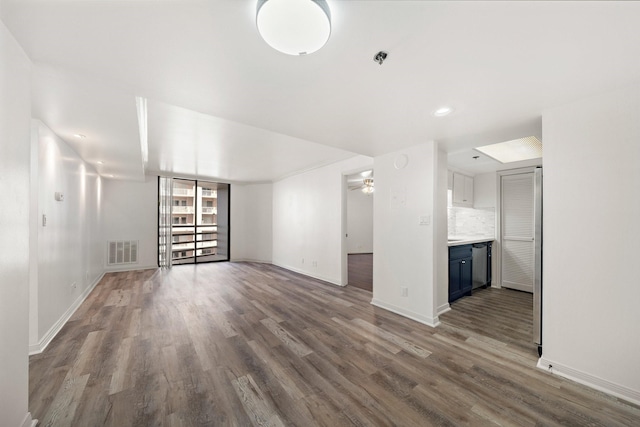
(122, 252)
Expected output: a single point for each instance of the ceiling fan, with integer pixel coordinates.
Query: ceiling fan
(365, 184)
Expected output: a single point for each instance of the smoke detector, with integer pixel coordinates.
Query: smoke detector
(380, 57)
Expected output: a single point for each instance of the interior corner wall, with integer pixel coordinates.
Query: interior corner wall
(130, 212)
(403, 242)
(441, 234)
(15, 116)
(359, 222)
(69, 255)
(485, 190)
(307, 220)
(591, 229)
(252, 222)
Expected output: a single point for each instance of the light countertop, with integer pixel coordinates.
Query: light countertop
(467, 240)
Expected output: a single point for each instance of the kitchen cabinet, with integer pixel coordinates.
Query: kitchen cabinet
(460, 271)
(462, 190)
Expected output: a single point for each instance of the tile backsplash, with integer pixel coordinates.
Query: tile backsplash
(471, 222)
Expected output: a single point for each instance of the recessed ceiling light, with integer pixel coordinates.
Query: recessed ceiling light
(514, 151)
(443, 111)
(110, 176)
(100, 162)
(79, 135)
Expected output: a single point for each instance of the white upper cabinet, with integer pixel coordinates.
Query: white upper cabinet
(462, 190)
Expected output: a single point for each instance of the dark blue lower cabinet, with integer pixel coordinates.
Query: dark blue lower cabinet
(460, 272)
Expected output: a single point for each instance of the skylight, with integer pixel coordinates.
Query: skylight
(513, 151)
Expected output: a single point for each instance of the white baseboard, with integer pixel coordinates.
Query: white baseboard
(433, 322)
(28, 421)
(53, 331)
(443, 309)
(589, 380)
(306, 273)
(129, 267)
(259, 261)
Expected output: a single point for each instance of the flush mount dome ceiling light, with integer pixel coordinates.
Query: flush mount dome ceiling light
(294, 27)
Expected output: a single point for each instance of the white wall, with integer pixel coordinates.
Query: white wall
(69, 248)
(591, 232)
(307, 220)
(406, 253)
(15, 115)
(485, 189)
(440, 247)
(130, 212)
(252, 222)
(359, 222)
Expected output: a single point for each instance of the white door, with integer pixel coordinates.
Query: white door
(517, 230)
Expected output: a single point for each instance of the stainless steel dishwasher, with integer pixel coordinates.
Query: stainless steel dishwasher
(479, 256)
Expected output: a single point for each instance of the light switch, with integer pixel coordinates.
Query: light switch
(425, 220)
(44, 220)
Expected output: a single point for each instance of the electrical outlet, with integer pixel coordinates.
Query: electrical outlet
(74, 285)
(303, 260)
(404, 291)
(44, 220)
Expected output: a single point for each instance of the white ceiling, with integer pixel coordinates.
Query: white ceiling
(223, 104)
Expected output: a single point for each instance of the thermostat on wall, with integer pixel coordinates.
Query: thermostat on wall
(59, 196)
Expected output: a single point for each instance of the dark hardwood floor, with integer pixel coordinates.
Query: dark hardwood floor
(245, 344)
(360, 271)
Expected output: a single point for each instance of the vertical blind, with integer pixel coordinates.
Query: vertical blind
(164, 221)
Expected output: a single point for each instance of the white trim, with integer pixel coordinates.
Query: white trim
(28, 421)
(306, 273)
(443, 309)
(131, 267)
(259, 261)
(589, 380)
(53, 331)
(433, 322)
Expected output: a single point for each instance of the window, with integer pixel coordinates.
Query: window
(199, 224)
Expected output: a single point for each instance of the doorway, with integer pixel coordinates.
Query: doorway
(359, 229)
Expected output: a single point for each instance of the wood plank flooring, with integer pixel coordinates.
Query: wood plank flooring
(360, 271)
(504, 315)
(244, 344)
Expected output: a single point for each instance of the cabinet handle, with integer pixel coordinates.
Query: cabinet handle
(464, 262)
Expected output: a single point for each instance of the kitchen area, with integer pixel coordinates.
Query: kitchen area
(471, 232)
(494, 221)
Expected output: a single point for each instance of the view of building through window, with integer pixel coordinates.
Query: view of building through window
(199, 221)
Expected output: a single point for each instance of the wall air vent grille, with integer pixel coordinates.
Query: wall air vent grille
(122, 252)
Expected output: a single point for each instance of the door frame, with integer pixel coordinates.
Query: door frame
(344, 255)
